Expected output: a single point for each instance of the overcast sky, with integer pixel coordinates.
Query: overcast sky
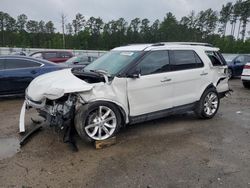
(107, 9)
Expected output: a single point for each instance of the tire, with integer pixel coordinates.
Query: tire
(208, 105)
(92, 126)
(230, 73)
(246, 84)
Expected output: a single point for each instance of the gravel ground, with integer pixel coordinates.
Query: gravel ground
(177, 151)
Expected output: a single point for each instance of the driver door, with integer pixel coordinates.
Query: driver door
(239, 64)
(152, 91)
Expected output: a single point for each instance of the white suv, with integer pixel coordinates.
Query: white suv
(131, 84)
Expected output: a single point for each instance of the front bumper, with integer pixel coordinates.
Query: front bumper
(55, 112)
(22, 118)
(28, 103)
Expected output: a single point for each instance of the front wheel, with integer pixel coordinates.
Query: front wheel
(208, 105)
(97, 121)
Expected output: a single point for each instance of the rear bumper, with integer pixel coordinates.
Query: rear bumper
(245, 78)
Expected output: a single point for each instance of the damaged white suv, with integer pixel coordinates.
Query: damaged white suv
(131, 84)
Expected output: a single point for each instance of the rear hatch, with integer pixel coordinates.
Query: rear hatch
(220, 68)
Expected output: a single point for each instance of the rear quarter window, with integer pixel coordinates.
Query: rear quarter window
(216, 58)
(184, 59)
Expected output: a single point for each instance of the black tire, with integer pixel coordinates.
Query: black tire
(246, 84)
(84, 113)
(200, 107)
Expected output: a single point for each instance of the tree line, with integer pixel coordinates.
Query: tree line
(93, 33)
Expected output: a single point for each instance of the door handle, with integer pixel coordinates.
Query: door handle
(204, 74)
(166, 80)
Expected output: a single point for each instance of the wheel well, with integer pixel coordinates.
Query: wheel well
(120, 109)
(210, 86)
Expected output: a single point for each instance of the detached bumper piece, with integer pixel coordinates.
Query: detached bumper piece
(58, 114)
(24, 139)
(226, 93)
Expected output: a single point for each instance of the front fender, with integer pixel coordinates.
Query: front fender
(121, 107)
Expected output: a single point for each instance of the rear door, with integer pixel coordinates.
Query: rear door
(17, 75)
(239, 63)
(188, 74)
(152, 91)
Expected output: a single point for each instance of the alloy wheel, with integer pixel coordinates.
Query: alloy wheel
(211, 104)
(101, 123)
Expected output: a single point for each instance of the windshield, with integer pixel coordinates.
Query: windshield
(72, 60)
(113, 61)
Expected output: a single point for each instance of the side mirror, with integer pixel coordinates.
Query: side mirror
(134, 74)
(75, 63)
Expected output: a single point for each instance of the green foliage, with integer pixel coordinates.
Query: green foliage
(205, 26)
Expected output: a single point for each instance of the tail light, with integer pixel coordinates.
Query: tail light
(247, 67)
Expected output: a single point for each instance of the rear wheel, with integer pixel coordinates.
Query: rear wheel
(98, 121)
(246, 84)
(208, 105)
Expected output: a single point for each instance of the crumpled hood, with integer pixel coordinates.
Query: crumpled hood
(55, 84)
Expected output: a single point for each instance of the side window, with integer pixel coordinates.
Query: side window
(2, 64)
(37, 55)
(20, 63)
(215, 58)
(49, 55)
(84, 59)
(240, 59)
(184, 59)
(247, 59)
(155, 62)
(64, 55)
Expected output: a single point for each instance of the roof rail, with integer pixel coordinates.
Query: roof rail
(183, 43)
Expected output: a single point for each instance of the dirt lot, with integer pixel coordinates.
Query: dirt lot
(178, 151)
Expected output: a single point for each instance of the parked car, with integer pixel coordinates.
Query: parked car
(53, 56)
(19, 53)
(236, 65)
(16, 72)
(131, 84)
(80, 61)
(245, 77)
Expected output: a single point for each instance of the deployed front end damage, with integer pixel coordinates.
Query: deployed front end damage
(55, 112)
(57, 102)
(54, 100)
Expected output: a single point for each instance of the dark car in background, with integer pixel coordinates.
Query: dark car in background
(236, 63)
(80, 61)
(53, 56)
(16, 72)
